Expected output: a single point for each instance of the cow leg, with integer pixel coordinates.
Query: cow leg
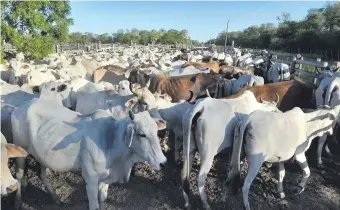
(178, 144)
(254, 165)
(321, 143)
(207, 158)
(302, 161)
(186, 177)
(103, 188)
(281, 170)
(92, 189)
(48, 185)
(20, 168)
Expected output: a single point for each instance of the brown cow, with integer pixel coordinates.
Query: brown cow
(215, 67)
(110, 73)
(177, 87)
(8, 183)
(230, 72)
(293, 93)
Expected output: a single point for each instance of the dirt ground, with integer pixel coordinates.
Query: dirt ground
(148, 189)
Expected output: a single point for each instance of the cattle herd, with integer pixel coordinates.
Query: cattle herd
(100, 113)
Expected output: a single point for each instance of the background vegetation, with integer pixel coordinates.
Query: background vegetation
(318, 31)
(33, 27)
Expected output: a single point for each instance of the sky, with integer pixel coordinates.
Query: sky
(202, 19)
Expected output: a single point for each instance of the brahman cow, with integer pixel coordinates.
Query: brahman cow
(102, 148)
(328, 93)
(258, 135)
(8, 183)
(210, 124)
(293, 93)
(177, 87)
(215, 67)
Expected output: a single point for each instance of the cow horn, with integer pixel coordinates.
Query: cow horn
(148, 83)
(277, 98)
(191, 96)
(131, 115)
(208, 94)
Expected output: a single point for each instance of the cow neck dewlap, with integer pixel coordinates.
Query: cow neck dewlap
(317, 125)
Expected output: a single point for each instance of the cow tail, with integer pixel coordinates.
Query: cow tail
(329, 91)
(234, 176)
(187, 121)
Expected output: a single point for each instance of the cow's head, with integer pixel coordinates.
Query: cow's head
(55, 91)
(143, 97)
(124, 88)
(141, 137)
(139, 77)
(8, 183)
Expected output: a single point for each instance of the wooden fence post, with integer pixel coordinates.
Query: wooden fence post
(78, 46)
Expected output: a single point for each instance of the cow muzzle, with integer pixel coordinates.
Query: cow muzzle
(157, 164)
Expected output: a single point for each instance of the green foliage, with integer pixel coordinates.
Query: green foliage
(34, 26)
(134, 35)
(319, 30)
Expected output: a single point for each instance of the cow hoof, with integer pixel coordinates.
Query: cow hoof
(206, 207)
(319, 165)
(282, 195)
(17, 204)
(268, 165)
(59, 201)
(24, 182)
(336, 162)
(299, 190)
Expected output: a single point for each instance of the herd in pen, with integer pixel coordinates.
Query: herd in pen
(99, 113)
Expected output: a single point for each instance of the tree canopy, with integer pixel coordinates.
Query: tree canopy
(134, 35)
(34, 26)
(319, 30)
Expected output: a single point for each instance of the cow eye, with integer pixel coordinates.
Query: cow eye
(141, 135)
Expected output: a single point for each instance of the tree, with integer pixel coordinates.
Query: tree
(154, 36)
(332, 16)
(34, 26)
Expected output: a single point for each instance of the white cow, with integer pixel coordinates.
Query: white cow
(210, 123)
(328, 93)
(102, 148)
(260, 130)
(278, 72)
(8, 183)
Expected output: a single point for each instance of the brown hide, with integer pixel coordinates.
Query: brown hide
(215, 67)
(110, 73)
(178, 87)
(293, 93)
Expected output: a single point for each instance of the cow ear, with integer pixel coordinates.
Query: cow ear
(61, 87)
(15, 151)
(161, 124)
(36, 89)
(131, 103)
(129, 134)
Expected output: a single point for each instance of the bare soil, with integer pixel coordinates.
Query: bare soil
(148, 189)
